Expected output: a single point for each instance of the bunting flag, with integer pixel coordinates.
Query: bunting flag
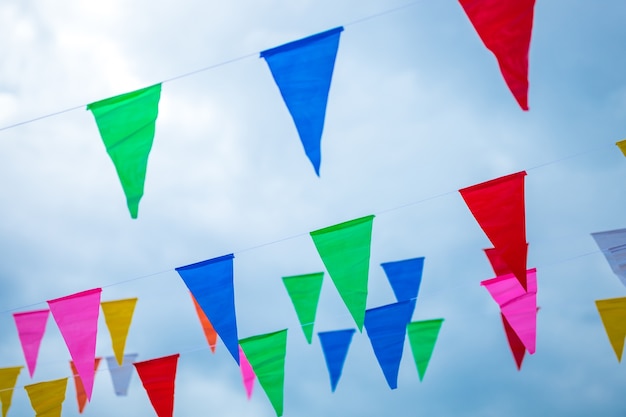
(158, 378)
(118, 314)
(505, 28)
(498, 207)
(518, 306)
(613, 314)
(386, 329)
(31, 326)
(345, 251)
(517, 347)
(303, 71)
(47, 397)
(209, 331)
(76, 316)
(304, 291)
(81, 395)
(405, 277)
(266, 354)
(613, 245)
(8, 379)
(422, 337)
(120, 375)
(127, 124)
(335, 346)
(211, 284)
(622, 146)
(247, 373)
(497, 263)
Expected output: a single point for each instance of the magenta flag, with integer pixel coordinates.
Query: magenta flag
(247, 373)
(31, 325)
(77, 318)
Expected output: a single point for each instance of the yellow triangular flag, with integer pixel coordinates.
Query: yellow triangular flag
(622, 145)
(613, 314)
(118, 315)
(8, 378)
(47, 397)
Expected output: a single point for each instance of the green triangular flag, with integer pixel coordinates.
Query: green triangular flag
(304, 291)
(266, 354)
(345, 251)
(422, 337)
(126, 124)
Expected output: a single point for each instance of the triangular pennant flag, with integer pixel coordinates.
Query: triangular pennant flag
(622, 146)
(613, 245)
(118, 314)
(127, 125)
(247, 373)
(505, 28)
(158, 377)
(81, 395)
(76, 316)
(303, 71)
(120, 375)
(422, 337)
(517, 347)
(211, 284)
(304, 291)
(498, 206)
(345, 251)
(613, 314)
(335, 346)
(31, 325)
(517, 305)
(209, 331)
(405, 277)
(8, 379)
(266, 354)
(47, 397)
(386, 329)
(497, 263)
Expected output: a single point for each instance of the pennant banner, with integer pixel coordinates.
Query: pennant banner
(211, 284)
(127, 125)
(613, 314)
(266, 354)
(517, 346)
(120, 375)
(422, 337)
(405, 277)
(47, 397)
(335, 346)
(118, 315)
(77, 318)
(622, 146)
(81, 395)
(613, 246)
(345, 251)
(8, 379)
(31, 326)
(303, 71)
(304, 291)
(247, 373)
(209, 331)
(158, 377)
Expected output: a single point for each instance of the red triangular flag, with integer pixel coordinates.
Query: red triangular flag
(81, 395)
(158, 376)
(517, 347)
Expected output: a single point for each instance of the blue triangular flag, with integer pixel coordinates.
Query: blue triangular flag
(386, 328)
(211, 283)
(335, 346)
(405, 277)
(303, 70)
(120, 375)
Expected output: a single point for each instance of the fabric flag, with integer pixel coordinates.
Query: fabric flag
(304, 291)
(518, 306)
(211, 284)
(247, 373)
(266, 354)
(405, 277)
(81, 395)
(31, 326)
(209, 331)
(622, 146)
(505, 28)
(497, 263)
(517, 347)
(613, 314)
(8, 379)
(77, 318)
(120, 375)
(158, 378)
(422, 337)
(613, 245)
(303, 71)
(127, 124)
(335, 346)
(345, 251)
(118, 314)
(386, 329)
(498, 207)
(47, 397)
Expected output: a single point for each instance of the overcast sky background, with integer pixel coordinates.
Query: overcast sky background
(417, 110)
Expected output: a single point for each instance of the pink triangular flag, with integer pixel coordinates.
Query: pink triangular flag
(247, 374)
(77, 318)
(31, 325)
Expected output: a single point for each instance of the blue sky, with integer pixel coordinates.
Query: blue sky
(417, 110)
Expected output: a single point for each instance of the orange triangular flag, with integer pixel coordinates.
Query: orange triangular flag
(207, 327)
(8, 378)
(47, 397)
(118, 315)
(81, 395)
(613, 314)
